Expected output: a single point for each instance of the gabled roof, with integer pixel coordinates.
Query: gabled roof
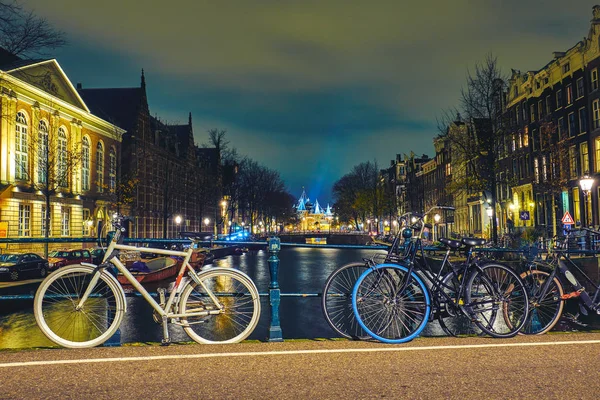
(48, 76)
(117, 105)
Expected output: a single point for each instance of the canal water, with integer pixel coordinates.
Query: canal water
(301, 271)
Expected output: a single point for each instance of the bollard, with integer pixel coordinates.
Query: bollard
(275, 334)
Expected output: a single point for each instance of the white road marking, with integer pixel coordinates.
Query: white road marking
(290, 352)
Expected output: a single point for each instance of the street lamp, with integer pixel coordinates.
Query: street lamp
(178, 220)
(490, 213)
(586, 184)
(436, 218)
(206, 222)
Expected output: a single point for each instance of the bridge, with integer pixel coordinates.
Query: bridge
(548, 366)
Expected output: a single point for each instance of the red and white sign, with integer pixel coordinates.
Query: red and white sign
(567, 219)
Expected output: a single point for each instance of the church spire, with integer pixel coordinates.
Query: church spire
(143, 85)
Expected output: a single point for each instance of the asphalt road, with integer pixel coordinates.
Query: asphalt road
(554, 366)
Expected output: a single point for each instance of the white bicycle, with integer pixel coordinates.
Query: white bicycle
(80, 306)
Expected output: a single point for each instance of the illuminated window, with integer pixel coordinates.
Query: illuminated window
(21, 147)
(594, 79)
(544, 169)
(100, 166)
(572, 130)
(585, 159)
(43, 159)
(62, 157)
(65, 219)
(576, 213)
(532, 109)
(573, 161)
(526, 137)
(24, 220)
(112, 170)
(597, 149)
(536, 170)
(85, 164)
(44, 211)
(569, 94)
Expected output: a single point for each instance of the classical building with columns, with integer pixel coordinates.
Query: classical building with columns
(50, 142)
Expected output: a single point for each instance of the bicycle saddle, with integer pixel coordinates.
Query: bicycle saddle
(473, 241)
(453, 244)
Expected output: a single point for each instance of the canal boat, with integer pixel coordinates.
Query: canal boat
(162, 268)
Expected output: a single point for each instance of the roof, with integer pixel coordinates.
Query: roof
(117, 105)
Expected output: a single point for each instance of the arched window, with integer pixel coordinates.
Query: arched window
(112, 169)
(21, 147)
(62, 170)
(100, 166)
(85, 164)
(43, 161)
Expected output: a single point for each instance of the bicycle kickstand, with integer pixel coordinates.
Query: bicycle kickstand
(166, 340)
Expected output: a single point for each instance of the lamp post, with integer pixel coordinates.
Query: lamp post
(490, 213)
(586, 184)
(330, 218)
(436, 218)
(178, 220)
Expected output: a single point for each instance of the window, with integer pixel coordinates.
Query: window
(44, 211)
(582, 120)
(566, 68)
(561, 128)
(532, 109)
(540, 109)
(594, 79)
(524, 108)
(544, 169)
(112, 170)
(21, 147)
(65, 221)
(596, 114)
(43, 152)
(548, 105)
(579, 88)
(597, 153)
(536, 170)
(572, 130)
(85, 164)
(526, 137)
(87, 222)
(585, 159)
(559, 99)
(514, 143)
(520, 141)
(517, 112)
(576, 212)
(24, 220)
(569, 94)
(573, 159)
(100, 166)
(62, 157)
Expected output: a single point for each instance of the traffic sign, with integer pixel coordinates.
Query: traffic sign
(567, 219)
(524, 215)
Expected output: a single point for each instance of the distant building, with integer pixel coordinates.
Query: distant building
(312, 217)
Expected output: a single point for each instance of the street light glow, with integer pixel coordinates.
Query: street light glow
(437, 218)
(586, 183)
(178, 219)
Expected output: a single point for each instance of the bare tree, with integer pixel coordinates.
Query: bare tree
(24, 34)
(478, 147)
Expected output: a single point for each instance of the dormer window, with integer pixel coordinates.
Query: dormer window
(566, 68)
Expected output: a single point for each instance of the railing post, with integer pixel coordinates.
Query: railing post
(274, 245)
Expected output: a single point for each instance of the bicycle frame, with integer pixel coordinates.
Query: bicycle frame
(111, 256)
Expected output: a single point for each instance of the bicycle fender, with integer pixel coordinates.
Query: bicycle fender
(111, 277)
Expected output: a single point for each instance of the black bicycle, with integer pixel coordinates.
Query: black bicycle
(547, 295)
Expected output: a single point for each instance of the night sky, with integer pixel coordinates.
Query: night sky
(308, 88)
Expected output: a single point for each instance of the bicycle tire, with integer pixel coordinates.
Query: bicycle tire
(544, 313)
(239, 301)
(55, 311)
(336, 301)
(386, 315)
(495, 290)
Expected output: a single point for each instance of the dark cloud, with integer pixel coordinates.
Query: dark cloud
(308, 88)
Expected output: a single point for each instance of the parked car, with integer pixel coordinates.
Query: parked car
(15, 266)
(60, 258)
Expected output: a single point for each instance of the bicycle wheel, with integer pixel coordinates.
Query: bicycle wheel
(57, 315)
(384, 310)
(337, 301)
(452, 319)
(231, 319)
(497, 300)
(544, 312)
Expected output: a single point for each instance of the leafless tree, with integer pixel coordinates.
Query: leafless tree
(24, 34)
